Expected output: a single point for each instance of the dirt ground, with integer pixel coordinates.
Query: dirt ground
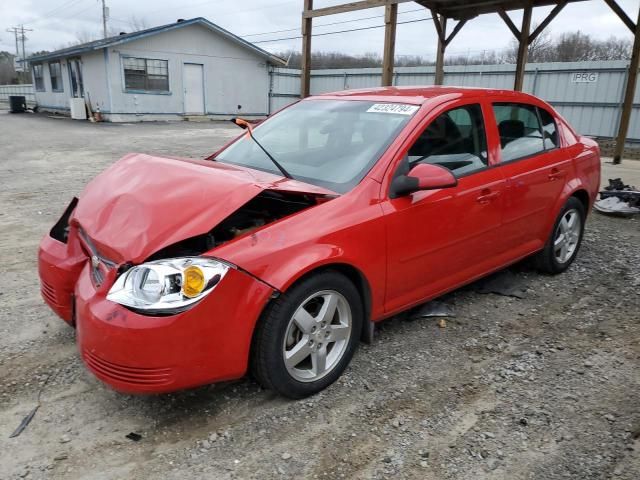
(543, 387)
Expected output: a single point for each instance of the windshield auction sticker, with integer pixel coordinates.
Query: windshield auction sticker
(396, 108)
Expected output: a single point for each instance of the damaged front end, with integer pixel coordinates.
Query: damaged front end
(265, 208)
(125, 227)
(60, 260)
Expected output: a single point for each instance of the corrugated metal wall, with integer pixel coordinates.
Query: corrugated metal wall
(25, 90)
(588, 94)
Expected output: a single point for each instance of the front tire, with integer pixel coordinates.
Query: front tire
(564, 242)
(308, 335)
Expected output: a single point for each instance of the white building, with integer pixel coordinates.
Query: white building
(191, 67)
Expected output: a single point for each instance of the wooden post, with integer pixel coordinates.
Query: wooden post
(442, 20)
(390, 22)
(305, 75)
(523, 47)
(629, 93)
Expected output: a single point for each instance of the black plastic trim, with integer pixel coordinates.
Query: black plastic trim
(60, 231)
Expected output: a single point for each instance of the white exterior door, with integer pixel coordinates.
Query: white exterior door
(193, 89)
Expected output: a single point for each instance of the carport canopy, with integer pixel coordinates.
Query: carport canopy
(460, 12)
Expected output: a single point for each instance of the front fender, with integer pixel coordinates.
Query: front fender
(346, 230)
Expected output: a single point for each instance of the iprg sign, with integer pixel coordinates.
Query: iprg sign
(584, 77)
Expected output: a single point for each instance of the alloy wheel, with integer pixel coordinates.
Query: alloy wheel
(317, 336)
(567, 236)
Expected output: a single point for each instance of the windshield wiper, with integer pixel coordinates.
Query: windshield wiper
(242, 123)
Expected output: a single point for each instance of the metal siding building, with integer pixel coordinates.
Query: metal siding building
(203, 69)
(588, 94)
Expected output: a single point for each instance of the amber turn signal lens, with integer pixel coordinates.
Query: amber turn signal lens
(193, 281)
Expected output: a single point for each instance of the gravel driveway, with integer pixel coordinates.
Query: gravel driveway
(541, 387)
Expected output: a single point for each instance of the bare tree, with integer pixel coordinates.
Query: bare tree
(137, 23)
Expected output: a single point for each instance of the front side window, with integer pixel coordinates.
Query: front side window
(519, 129)
(55, 73)
(146, 74)
(455, 140)
(38, 77)
(329, 143)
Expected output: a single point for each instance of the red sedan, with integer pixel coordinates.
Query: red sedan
(279, 252)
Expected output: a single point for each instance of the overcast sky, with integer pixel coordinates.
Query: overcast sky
(56, 23)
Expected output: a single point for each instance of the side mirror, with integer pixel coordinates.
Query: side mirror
(242, 123)
(424, 176)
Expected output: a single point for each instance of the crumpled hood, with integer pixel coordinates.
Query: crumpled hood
(142, 203)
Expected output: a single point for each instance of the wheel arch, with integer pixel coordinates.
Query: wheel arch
(354, 274)
(582, 195)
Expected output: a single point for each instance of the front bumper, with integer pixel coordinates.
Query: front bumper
(136, 353)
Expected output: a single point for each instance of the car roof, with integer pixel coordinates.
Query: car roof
(418, 95)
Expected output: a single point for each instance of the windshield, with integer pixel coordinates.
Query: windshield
(329, 143)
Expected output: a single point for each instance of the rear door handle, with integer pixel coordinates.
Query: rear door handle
(555, 174)
(487, 196)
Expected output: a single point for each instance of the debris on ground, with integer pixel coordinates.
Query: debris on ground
(618, 199)
(27, 419)
(504, 283)
(431, 309)
(136, 437)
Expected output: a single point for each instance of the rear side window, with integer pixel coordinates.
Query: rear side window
(455, 140)
(549, 130)
(519, 129)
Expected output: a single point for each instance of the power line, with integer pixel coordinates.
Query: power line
(341, 31)
(329, 24)
(46, 16)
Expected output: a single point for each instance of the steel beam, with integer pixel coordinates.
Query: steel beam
(523, 47)
(442, 32)
(390, 23)
(305, 67)
(630, 91)
(349, 7)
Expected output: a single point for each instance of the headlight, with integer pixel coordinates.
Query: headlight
(167, 285)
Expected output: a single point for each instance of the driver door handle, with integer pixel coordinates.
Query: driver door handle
(487, 196)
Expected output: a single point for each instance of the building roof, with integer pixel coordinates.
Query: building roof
(128, 37)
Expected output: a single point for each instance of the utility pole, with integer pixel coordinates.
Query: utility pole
(15, 31)
(105, 16)
(25, 65)
(20, 39)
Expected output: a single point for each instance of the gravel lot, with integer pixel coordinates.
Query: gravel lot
(544, 387)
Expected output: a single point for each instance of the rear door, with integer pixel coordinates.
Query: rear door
(439, 239)
(535, 167)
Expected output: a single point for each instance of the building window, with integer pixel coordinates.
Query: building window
(38, 77)
(56, 76)
(146, 74)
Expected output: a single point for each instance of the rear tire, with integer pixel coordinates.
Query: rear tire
(564, 241)
(307, 336)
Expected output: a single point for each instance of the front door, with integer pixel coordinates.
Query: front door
(193, 89)
(439, 239)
